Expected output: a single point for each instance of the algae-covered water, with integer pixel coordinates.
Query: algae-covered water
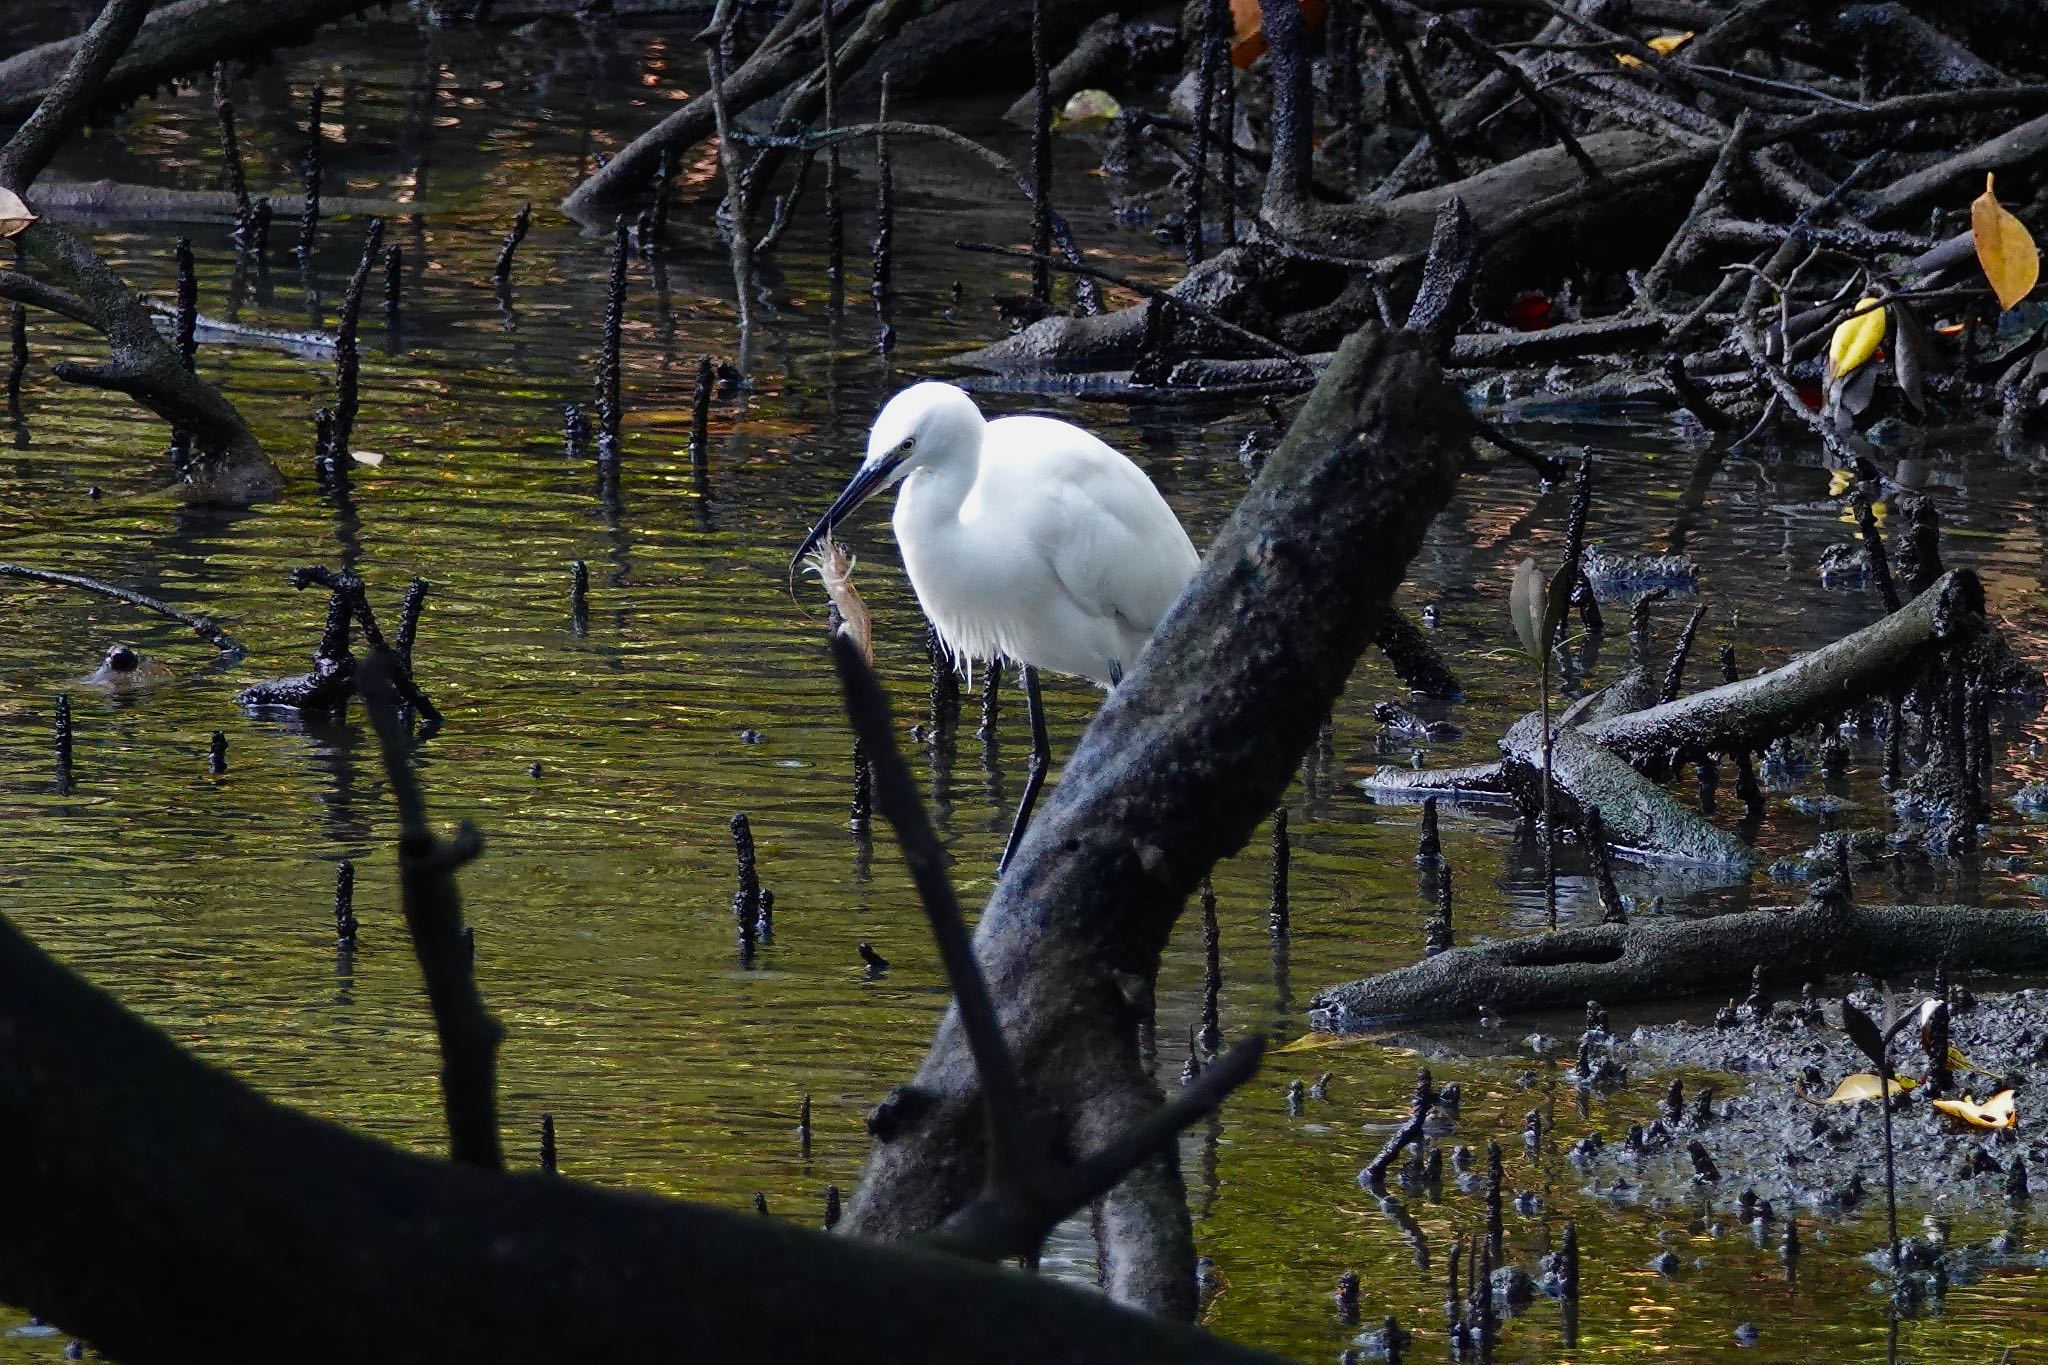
(604, 767)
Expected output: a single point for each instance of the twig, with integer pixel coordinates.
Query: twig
(1213, 56)
(203, 626)
(427, 865)
(1014, 1158)
(1418, 92)
(1550, 468)
(502, 272)
(1410, 1132)
(1674, 673)
(739, 237)
(1041, 159)
(1873, 550)
(1022, 1199)
(1545, 107)
(348, 358)
(1150, 291)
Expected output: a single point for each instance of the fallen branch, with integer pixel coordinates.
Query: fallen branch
(225, 461)
(204, 626)
(102, 199)
(176, 40)
(1641, 817)
(1749, 714)
(1664, 958)
(441, 942)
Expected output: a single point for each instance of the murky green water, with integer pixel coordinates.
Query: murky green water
(602, 903)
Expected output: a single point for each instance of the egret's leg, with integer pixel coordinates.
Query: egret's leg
(1034, 772)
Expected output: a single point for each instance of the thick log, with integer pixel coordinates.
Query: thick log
(1665, 958)
(1226, 283)
(175, 40)
(1642, 819)
(1746, 715)
(1184, 761)
(785, 56)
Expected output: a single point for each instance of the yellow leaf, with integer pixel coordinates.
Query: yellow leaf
(1856, 338)
(1996, 1112)
(1840, 483)
(1863, 1086)
(1664, 44)
(2004, 248)
(1089, 106)
(1958, 1062)
(1316, 1042)
(15, 216)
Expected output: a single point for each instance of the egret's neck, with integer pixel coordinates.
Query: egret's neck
(934, 493)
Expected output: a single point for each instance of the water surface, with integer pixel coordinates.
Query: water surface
(601, 904)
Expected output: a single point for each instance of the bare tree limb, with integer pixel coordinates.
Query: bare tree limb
(204, 626)
(176, 40)
(71, 98)
(1183, 762)
(443, 944)
(32, 291)
(228, 463)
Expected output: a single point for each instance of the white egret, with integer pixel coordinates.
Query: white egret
(1025, 538)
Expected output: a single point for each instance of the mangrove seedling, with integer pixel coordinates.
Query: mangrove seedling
(1875, 1045)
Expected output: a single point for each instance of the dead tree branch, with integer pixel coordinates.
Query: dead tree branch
(204, 626)
(1024, 1196)
(1163, 784)
(444, 945)
(226, 463)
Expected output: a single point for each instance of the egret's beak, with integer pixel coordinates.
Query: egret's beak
(865, 485)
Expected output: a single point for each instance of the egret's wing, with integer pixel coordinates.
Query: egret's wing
(1108, 535)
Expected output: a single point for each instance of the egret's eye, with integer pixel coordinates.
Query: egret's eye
(908, 442)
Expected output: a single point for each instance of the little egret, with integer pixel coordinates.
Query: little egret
(1025, 538)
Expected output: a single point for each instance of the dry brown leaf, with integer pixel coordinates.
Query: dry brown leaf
(1248, 29)
(834, 567)
(1997, 1112)
(2005, 248)
(15, 216)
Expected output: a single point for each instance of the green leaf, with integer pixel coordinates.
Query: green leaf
(1527, 608)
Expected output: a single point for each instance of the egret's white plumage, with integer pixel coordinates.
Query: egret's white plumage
(1024, 537)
